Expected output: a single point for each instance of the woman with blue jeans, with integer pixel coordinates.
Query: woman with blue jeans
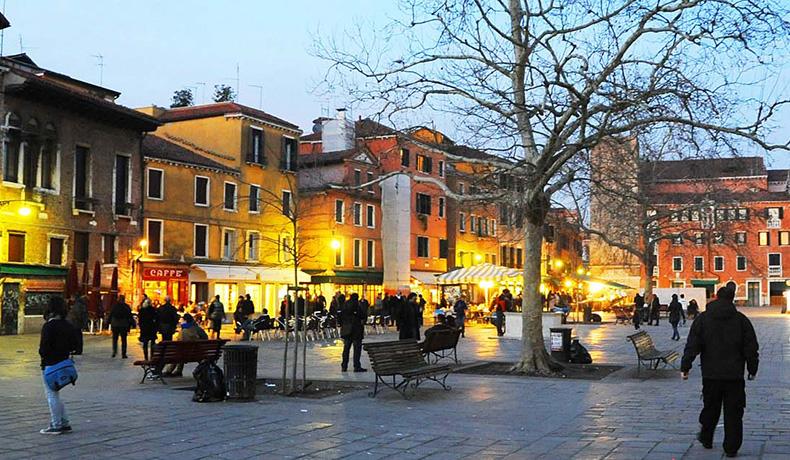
(58, 340)
(675, 313)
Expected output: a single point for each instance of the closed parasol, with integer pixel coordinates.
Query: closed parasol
(95, 309)
(72, 281)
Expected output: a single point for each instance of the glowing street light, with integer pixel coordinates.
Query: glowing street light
(143, 243)
(579, 271)
(558, 263)
(334, 244)
(24, 211)
(478, 257)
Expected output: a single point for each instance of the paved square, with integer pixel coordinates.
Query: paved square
(619, 417)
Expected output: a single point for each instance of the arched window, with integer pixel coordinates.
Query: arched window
(12, 120)
(49, 157)
(32, 126)
(11, 146)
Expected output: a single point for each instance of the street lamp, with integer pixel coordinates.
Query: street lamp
(558, 263)
(334, 244)
(23, 211)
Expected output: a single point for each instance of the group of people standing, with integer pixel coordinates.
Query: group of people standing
(677, 310)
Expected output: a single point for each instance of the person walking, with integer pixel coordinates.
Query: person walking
(378, 310)
(684, 305)
(655, 310)
(499, 311)
(78, 313)
(408, 321)
(216, 313)
(248, 306)
(693, 309)
(190, 331)
(353, 316)
(167, 318)
(149, 324)
(459, 309)
(58, 340)
(121, 320)
(636, 316)
(421, 304)
(675, 313)
(726, 341)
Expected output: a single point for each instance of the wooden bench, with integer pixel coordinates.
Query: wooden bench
(405, 359)
(441, 343)
(646, 352)
(622, 316)
(174, 352)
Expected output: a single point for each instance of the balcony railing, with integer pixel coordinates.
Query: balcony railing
(84, 203)
(774, 271)
(774, 223)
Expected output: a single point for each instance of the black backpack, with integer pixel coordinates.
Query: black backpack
(579, 354)
(210, 383)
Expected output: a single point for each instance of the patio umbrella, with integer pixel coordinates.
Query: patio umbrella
(72, 280)
(85, 276)
(113, 297)
(94, 299)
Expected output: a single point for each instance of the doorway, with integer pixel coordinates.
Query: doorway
(776, 289)
(753, 293)
(9, 316)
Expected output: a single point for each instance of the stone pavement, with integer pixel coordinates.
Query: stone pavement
(619, 417)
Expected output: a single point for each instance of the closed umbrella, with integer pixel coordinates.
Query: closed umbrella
(85, 276)
(72, 280)
(114, 287)
(94, 299)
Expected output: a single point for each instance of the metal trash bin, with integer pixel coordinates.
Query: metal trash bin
(561, 343)
(241, 371)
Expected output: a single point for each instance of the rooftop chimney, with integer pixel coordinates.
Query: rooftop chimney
(337, 133)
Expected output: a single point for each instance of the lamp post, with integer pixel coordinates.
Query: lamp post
(23, 210)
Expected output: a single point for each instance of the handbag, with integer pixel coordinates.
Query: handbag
(61, 374)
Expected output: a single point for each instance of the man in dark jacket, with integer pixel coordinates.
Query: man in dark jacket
(408, 318)
(58, 340)
(655, 311)
(121, 320)
(726, 341)
(675, 311)
(168, 319)
(352, 330)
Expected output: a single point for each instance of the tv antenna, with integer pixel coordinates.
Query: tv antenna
(260, 95)
(100, 57)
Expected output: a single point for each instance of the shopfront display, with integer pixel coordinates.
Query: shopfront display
(160, 281)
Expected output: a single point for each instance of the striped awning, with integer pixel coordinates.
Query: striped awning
(477, 273)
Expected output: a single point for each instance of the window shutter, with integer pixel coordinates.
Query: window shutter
(781, 213)
(428, 165)
(747, 213)
(251, 146)
(282, 152)
(766, 213)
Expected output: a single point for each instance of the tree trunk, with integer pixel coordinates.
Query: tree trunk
(534, 357)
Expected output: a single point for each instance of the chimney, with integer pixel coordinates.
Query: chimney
(338, 133)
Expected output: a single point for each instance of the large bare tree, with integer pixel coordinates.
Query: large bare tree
(540, 82)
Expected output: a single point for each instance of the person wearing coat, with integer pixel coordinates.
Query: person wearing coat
(58, 340)
(149, 325)
(655, 310)
(353, 316)
(216, 313)
(167, 317)
(408, 315)
(675, 313)
(190, 330)
(121, 320)
(78, 313)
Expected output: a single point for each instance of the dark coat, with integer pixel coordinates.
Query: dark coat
(247, 307)
(58, 340)
(78, 314)
(639, 301)
(409, 316)
(655, 307)
(352, 320)
(148, 322)
(675, 312)
(168, 318)
(725, 339)
(121, 316)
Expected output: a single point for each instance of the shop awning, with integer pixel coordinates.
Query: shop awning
(32, 270)
(704, 282)
(281, 275)
(348, 277)
(425, 277)
(477, 273)
(611, 284)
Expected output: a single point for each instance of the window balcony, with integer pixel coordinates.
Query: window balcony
(774, 223)
(774, 271)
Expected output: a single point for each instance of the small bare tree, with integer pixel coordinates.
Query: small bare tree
(539, 82)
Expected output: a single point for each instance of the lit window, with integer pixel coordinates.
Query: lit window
(764, 239)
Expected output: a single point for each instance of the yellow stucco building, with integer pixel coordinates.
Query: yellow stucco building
(219, 190)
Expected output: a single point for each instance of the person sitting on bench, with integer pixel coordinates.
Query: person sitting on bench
(190, 331)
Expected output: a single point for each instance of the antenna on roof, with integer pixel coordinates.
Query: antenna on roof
(238, 89)
(2, 33)
(22, 47)
(260, 96)
(101, 67)
(203, 96)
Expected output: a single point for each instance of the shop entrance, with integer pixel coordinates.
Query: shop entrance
(776, 289)
(9, 317)
(753, 293)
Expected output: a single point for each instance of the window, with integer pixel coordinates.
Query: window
(482, 224)
(698, 239)
(461, 188)
(285, 249)
(286, 202)
(122, 189)
(504, 214)
(718, 264)
(108, 249)
(462, 222)
(424, 164)
(699, 264)
(740, 238)
(370, 179)
(339, 253)
(694, 215)
(423, 204)
(49, 159)
(16, 247)
(764, 238)
(228, 244)
(371, 254)
(153, 234)
(11, 149)
(519, 257)
(740, 263)
(371, 215)
(441, 207)
(255, 191)
(677, 264)
(82, 244)
(743, 214)
(774, 213)
(774, 260)
(357, 177)
(256, 152)
(784, 238)
(718, 238)
(57, 246)
(357, 253)
(677, 240)
(82, 186)
(253, 241)
(472, 224)
(442, 248)
(441, 169)
(504, 259)
(358, 214)
(423, 249)
(404, 157)
(493, 227)
(201, 241)
(290, 147)
(229, 201)
(156, 184)
(201, 191)
(339, 211)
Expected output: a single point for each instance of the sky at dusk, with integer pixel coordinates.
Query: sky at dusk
(152, 48)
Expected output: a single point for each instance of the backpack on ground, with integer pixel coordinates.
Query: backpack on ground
(579, 354)
(210, 383)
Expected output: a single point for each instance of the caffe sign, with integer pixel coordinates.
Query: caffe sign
(164, 274)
